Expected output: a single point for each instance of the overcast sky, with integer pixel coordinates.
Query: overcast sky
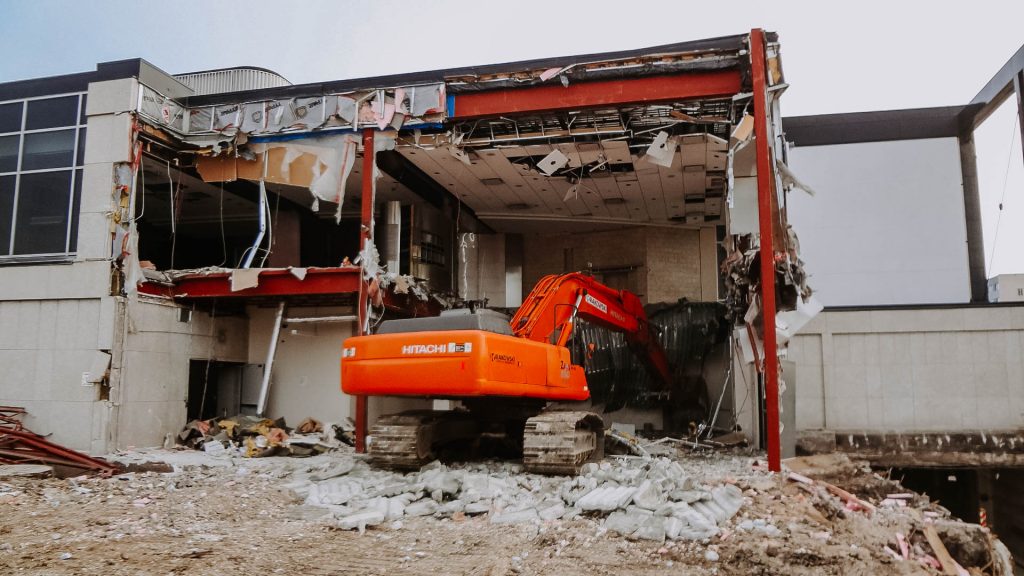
(838, 57)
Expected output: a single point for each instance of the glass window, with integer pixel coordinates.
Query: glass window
(80, 157)
(81, 116)
(9, 153)
(41, 225)
(10, 117)
(6, 212)
(38, 203)
(52, 113)
(48, 150)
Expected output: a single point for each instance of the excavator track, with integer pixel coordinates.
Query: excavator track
(402, 441)
(407, 440)
(561, 442)
(553, 442)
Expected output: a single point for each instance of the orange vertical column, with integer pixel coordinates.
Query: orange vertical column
(765, 192)
(365, 235)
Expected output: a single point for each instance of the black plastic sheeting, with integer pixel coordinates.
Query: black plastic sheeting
(689, 332)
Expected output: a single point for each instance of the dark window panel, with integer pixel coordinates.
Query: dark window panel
(48, 150)
(81, 115)
(52, 113)
(7, 184)
(41, 225)
(80, 157)
(9, 153)
(76, 203)
(10, 117)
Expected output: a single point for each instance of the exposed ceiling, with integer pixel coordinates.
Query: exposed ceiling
(605, 183)
(202, 201)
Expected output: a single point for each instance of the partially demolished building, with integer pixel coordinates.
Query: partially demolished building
(177, 247)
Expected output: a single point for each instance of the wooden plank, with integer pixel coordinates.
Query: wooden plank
(948, 564)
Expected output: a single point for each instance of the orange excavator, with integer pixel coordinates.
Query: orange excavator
(503, 372)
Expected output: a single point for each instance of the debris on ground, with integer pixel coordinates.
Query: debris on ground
(19, 445)
(716, 513)
(256, 437)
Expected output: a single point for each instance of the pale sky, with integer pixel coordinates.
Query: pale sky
(838, 57)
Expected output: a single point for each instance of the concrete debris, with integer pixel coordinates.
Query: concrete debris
(252, 436)
(736, 518)
(637, 496)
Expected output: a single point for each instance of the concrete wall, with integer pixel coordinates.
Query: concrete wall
(664, 264)
(936, 369)
(45, 346)
(306, 376)
(151, 389)
(481, 268)
(887, 224)
(55, 318)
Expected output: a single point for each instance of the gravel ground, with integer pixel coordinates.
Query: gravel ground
(231, 515)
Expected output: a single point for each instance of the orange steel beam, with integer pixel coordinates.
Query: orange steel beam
(765, 191)
(365, 234)
(675, 87)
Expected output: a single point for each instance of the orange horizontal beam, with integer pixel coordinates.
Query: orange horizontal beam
(272, 283)
(647, 89)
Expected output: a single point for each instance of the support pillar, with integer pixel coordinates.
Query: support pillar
(972, 217)
(365, 236)
(765, 194)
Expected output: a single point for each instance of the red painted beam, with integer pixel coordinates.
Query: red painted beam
(765, 191)
(365, 235)
(272, 283)
(648, 89)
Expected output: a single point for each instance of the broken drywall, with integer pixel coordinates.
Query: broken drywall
(321, 163)
(382, 109)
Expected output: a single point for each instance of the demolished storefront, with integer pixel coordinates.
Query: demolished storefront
(252, 229)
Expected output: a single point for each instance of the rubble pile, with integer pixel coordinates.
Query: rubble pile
(706, 514)
(652, 499)
(255, 437)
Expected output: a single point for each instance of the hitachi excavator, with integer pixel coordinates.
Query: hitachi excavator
(504, 373)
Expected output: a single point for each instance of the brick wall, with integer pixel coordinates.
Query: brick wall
(659, 264)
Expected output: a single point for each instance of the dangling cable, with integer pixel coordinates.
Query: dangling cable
(1002, 198)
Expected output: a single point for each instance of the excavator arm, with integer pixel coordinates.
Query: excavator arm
(550, 312)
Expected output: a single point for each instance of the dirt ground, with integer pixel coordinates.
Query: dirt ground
(241, 518)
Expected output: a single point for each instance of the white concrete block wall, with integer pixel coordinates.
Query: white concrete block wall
(306, 377)
(152, 390)
(938, 369)
(45, 346)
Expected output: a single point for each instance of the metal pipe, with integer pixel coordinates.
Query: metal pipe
(319, 319)
(765, 192)
(271, 352)
(251, 252)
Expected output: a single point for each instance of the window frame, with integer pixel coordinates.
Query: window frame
(75, 168)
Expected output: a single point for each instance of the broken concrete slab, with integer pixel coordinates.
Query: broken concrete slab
(653, 528)
(551, 510)
(361, 520)
(606, 498)
(648, 496)
(423, 507)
